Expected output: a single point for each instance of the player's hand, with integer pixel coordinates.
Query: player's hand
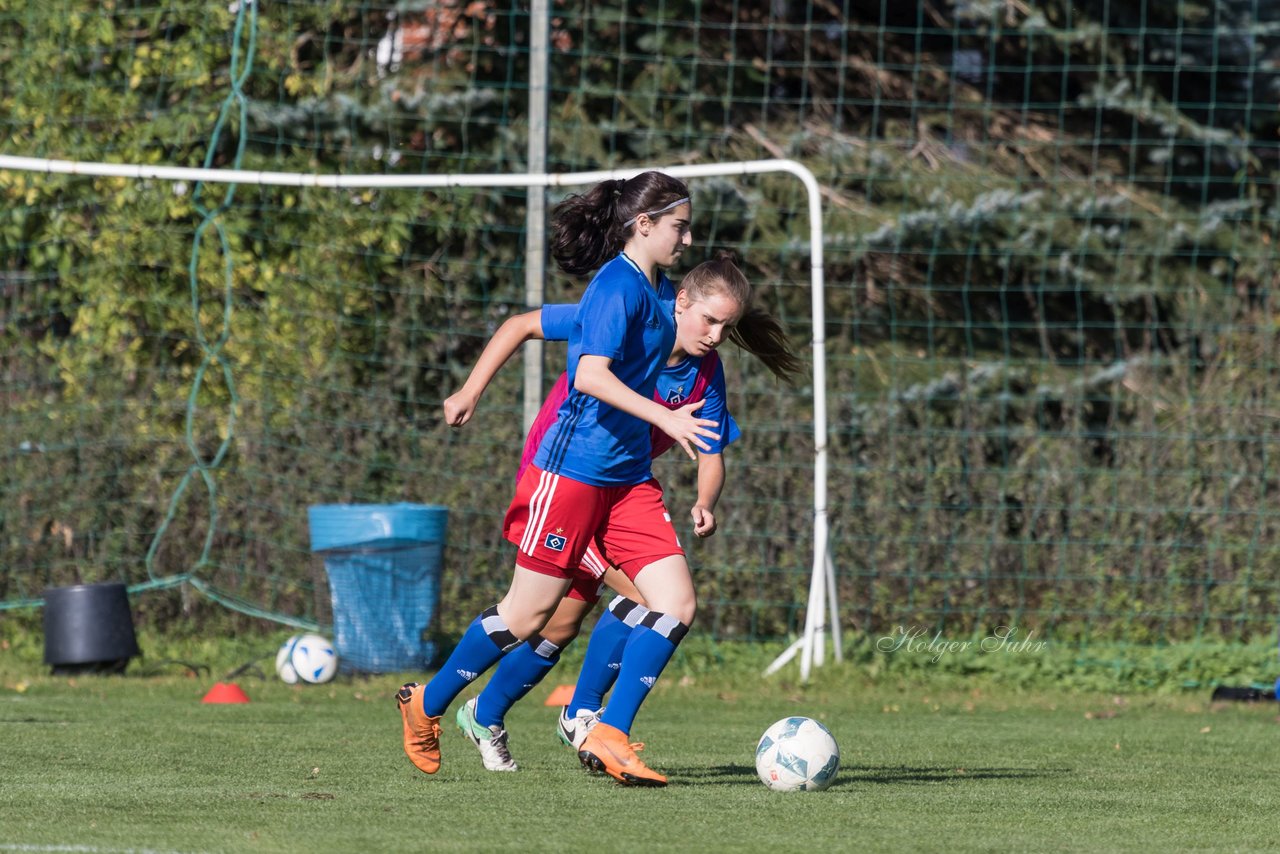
(459, 407)
(689, 430)
(704, 521)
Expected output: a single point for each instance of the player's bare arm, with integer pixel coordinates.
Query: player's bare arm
(710, 484)
(461, 405)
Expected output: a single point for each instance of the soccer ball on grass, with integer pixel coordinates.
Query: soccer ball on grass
(310, 658)
(797, 755)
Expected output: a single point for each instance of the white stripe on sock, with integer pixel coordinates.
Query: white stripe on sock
(665, 625)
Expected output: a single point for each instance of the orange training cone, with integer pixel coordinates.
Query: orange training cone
(560, 695)
(225, 692)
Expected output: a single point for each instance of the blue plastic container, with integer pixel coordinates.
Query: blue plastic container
(383, 562)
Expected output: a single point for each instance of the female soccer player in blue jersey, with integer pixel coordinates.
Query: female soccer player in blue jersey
(713, 297)
(591, 480)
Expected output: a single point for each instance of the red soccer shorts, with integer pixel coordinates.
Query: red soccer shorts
(554, 520)
(587, 583)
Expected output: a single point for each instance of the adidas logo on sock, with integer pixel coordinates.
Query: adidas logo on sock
(615, 665)
(467, 675)
(648, 680)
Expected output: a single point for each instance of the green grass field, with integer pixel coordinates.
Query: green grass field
(137, 762)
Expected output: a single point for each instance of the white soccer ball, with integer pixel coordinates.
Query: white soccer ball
(797, 755)
(310, 658)
(284, 661)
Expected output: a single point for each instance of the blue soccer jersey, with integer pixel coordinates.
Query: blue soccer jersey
(676, 382)
(623, 318)
(557, 320)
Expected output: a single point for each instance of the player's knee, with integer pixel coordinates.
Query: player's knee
(560, 633)
(524, 629)
(684, 609)
(524, 623)
(680, 605)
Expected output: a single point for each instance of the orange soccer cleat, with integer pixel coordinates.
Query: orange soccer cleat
(421, 731)
(609, 750)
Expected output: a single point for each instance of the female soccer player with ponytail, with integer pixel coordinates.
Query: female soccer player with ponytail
(714, 302)
(590, 481)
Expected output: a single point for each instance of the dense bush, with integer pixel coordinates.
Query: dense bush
(1048, 262)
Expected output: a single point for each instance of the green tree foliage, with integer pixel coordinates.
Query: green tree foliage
(1048, 264)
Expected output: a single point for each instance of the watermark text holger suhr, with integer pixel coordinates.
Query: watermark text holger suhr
(918, 640)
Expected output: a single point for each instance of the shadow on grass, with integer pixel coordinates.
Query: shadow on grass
(31, 720)
(941, 774)
(745, 775)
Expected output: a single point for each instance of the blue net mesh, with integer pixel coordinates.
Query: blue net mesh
(383, 564)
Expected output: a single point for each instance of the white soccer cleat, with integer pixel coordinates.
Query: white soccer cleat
(573, 730)
(491, 741)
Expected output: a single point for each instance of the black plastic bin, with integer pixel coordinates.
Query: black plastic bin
(88, 628)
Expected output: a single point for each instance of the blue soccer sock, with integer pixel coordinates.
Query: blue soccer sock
(485, 641)
(604, 653)
(648, 650)
(517, 673)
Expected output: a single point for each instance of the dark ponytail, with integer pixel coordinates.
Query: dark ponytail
(589, 229)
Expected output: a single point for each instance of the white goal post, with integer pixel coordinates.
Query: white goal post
(822, 611)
